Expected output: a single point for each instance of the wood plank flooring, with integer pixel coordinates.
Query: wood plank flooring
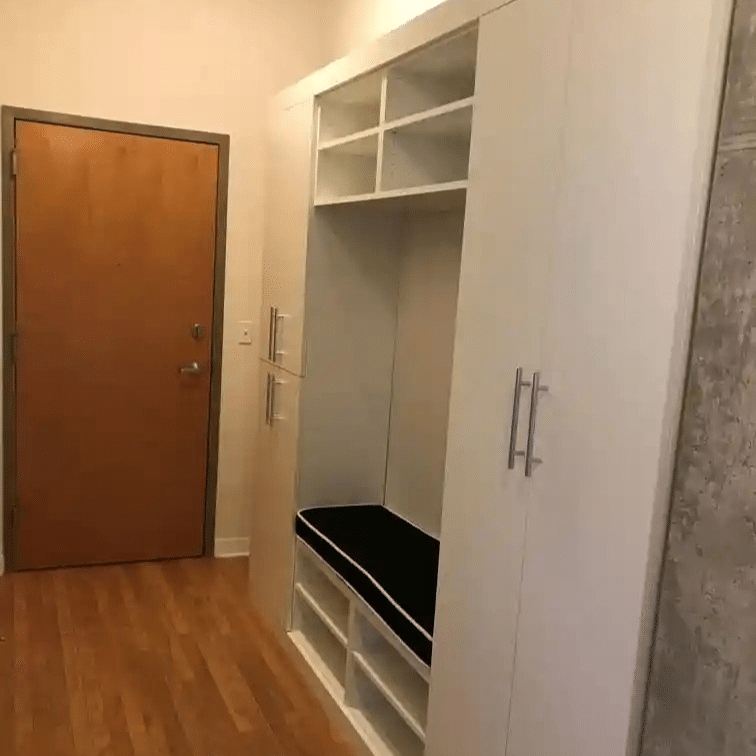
(148, 660)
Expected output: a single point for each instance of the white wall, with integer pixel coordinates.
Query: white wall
(199, 64)
(365, 20)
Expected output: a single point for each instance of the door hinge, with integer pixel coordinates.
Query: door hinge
(14, 163)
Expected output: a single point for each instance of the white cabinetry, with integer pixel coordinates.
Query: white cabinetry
(509, 241)
(634, 181)
(271, 544)
(495, 190)
(287, 214)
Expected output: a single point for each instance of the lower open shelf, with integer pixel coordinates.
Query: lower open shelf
(381, 693)
(319, 646)
(384, 729)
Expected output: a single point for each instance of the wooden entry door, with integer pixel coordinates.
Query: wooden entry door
(115, 252)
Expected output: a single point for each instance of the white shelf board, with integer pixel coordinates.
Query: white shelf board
(394, 683)
(448, 196)
(455, 119)
(447, 127)
(342, 143)
(374, 739)
(333, 685)
(364, 143)
(326, 613)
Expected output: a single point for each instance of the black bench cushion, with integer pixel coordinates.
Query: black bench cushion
(389, 563)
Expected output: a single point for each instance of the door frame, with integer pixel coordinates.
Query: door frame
(9, 116)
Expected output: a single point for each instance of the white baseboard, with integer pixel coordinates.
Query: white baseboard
(224, 547)
(231, 547)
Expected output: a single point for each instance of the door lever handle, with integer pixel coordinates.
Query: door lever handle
(194, 369)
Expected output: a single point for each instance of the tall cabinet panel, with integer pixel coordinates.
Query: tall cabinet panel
(634, 177)
(509, 228)
(271, 545)
(286, 222)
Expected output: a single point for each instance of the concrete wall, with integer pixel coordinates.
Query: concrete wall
(702, 692)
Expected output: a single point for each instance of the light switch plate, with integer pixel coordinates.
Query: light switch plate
(245, 331)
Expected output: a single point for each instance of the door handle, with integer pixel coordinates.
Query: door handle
(267, 399)
(535, 392)
(270, 415)
(275, 318)
(513, 453)
(194, 369)
(271, 329)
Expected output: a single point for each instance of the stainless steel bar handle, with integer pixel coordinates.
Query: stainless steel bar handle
(267, 400)
(276, 352)
(535, 392)
(271, 336)
(272, 412)
(194, 369)
(513, 453)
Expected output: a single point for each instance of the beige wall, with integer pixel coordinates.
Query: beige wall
(200, 64)
(364, 20)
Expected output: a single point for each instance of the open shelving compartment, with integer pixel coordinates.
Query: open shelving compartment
(322, 596)
(322, 649)
(381, 723)
(401, 136)
(350, 109)
(348, 167)
(399, 682)
(381, 686)
(397, 140)
(430, 151)
(438, 75)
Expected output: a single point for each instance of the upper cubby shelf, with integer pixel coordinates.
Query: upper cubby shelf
(351, 109)
(401, 132)
(432, 77)
(427, 151)
(348, 167)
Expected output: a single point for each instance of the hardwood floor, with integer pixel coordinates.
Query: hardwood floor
(148, 660)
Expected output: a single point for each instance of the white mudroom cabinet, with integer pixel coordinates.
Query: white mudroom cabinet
(481, 245)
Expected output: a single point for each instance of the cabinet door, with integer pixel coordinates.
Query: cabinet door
(505, 261)
(287, 212)
(634, 178)
(272, 536)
